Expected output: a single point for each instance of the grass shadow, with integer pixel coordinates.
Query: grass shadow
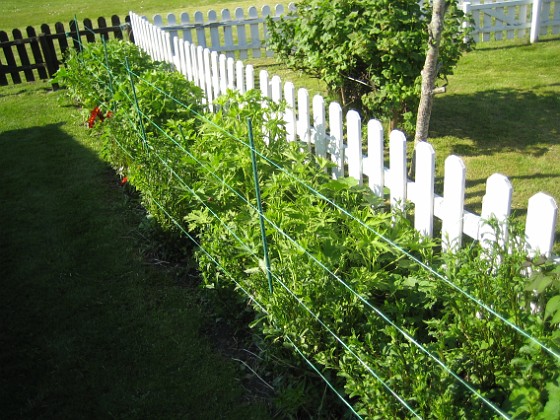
(498, 121)
(91, 330)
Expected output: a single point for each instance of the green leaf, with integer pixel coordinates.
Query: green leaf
(552, 408)
(539, 282)
(552, 307)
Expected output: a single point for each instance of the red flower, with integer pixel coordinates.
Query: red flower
(96, 113)
(92, 116)
(124, 180)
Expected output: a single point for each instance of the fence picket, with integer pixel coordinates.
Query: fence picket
(336, 148)
(456, 221)
(212, 20)
(228, 35)
(250, 77)
(172, 21)
(231, 73)
(375, 165)
(542, 212)
(496, 204)
(319, 124)
(354, 151)
(424, 189)
(223, 73)
(240, 83)
(36, 51)
(200, 33)
(453, 204)
(186, 23)
(397, 173)
(215, 66)
(290, 114)
(241, 34)
(255, 37)
(276, 86)
(304, 122)
(208, 79)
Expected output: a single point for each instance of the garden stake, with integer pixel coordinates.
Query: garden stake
(144, 139)
(259, 204)
(78, 37)
(107, 64)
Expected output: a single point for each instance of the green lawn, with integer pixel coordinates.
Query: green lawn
(501, 114)
(92, 328)
(23, 13)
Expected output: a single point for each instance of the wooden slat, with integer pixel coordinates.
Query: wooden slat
(49, 51)
(36, 50)
(88, 30)
(23, 57)
(116, 23)
(60, 31)
(10, 59)
(102, 28)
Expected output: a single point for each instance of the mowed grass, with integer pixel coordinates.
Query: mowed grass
(90, 328)
(23, 13)
(501, 114)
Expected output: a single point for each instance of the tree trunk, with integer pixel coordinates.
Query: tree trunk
(430, 72)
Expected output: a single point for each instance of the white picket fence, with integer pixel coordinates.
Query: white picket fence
(321, 125)
(513, 19)
(242, 35)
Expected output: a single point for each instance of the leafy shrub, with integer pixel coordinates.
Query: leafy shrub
(370, 53)
(92, 75)
(343, 292)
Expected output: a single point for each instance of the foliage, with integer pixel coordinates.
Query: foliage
(343, 291)
(91, 75)
(369, 52)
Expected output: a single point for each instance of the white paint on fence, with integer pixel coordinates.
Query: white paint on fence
(325, 136)
(424, 188)
(452, 204)
(511, 19)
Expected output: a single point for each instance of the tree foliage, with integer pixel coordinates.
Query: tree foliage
(370, 53)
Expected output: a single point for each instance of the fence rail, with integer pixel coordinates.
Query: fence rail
(322, 126)
(39, 53)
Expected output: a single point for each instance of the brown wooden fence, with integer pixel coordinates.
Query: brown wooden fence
(39, 53)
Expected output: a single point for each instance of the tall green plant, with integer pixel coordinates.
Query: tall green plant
(345, 294)
(368, 52)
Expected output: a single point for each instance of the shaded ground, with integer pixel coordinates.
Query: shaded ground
(89, 330)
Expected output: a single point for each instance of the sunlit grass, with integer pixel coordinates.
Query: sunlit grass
(20, 14)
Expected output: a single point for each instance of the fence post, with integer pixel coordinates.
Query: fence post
(354, 134)
(466, 24)
(319, 122)
(496, 205)
(453, 202)
(336, 147)
(536, 21)
(541, 221)
(398, 172)
(424, 188)
(375, 157)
